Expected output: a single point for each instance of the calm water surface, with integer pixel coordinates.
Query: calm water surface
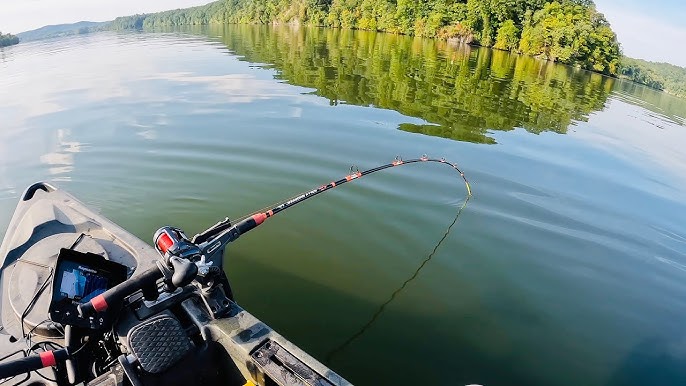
(567, 268)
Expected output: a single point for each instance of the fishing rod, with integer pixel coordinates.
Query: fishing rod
(249, 222)
(185, 259)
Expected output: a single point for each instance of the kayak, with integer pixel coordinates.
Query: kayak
(86, 302)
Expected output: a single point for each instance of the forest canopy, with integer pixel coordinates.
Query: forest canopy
(566, 31)
(8, 40)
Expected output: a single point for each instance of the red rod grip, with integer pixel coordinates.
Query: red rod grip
(99, 303)
(259, 218)
(47, 358)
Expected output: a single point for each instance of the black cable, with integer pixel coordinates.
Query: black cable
(56, 346)
(80, 348)
(56, 325)
(46, 378)
(33, 301)
(37, 325)
(28, 334)
(78, 240)
(12, 354)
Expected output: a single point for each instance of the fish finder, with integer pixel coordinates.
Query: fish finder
(79, 277)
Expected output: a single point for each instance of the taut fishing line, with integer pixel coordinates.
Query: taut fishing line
(382, 307)
(257, 218)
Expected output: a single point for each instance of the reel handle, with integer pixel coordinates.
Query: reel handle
(185, 271)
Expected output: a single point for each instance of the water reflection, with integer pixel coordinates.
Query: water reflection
(4, 55)
(462, 93)
(667, 108)
(233, 88)
(61, 161)
(7, 186)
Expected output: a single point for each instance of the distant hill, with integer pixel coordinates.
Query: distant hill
(52, 31)
(660, 76)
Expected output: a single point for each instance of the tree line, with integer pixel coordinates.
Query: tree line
(8, 40)
(566, 31)
(202, 15)
(660, 76)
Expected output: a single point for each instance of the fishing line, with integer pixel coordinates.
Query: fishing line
(382, 307)
(249, 222)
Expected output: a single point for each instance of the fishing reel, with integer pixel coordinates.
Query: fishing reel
(182, 260)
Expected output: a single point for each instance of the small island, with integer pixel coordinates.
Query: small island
(8, 40)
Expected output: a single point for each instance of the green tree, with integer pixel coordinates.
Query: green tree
(8, 40)
(571, 31)
(508, 36)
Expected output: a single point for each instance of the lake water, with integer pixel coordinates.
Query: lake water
(568, 266)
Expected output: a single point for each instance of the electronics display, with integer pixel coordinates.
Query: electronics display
(78, 278)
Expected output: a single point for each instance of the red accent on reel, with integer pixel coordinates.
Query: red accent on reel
(164, 242)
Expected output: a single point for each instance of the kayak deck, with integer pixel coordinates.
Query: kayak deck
(240, 349)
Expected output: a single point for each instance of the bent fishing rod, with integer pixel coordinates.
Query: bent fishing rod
(230, 233)
(186, 259)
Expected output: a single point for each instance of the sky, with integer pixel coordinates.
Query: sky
(652, 30)
(24, 15)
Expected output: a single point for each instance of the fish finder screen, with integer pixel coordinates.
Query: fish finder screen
(79, 278)
(81, 283)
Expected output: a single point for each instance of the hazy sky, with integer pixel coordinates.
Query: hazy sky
(653, 30)
(24, 15)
